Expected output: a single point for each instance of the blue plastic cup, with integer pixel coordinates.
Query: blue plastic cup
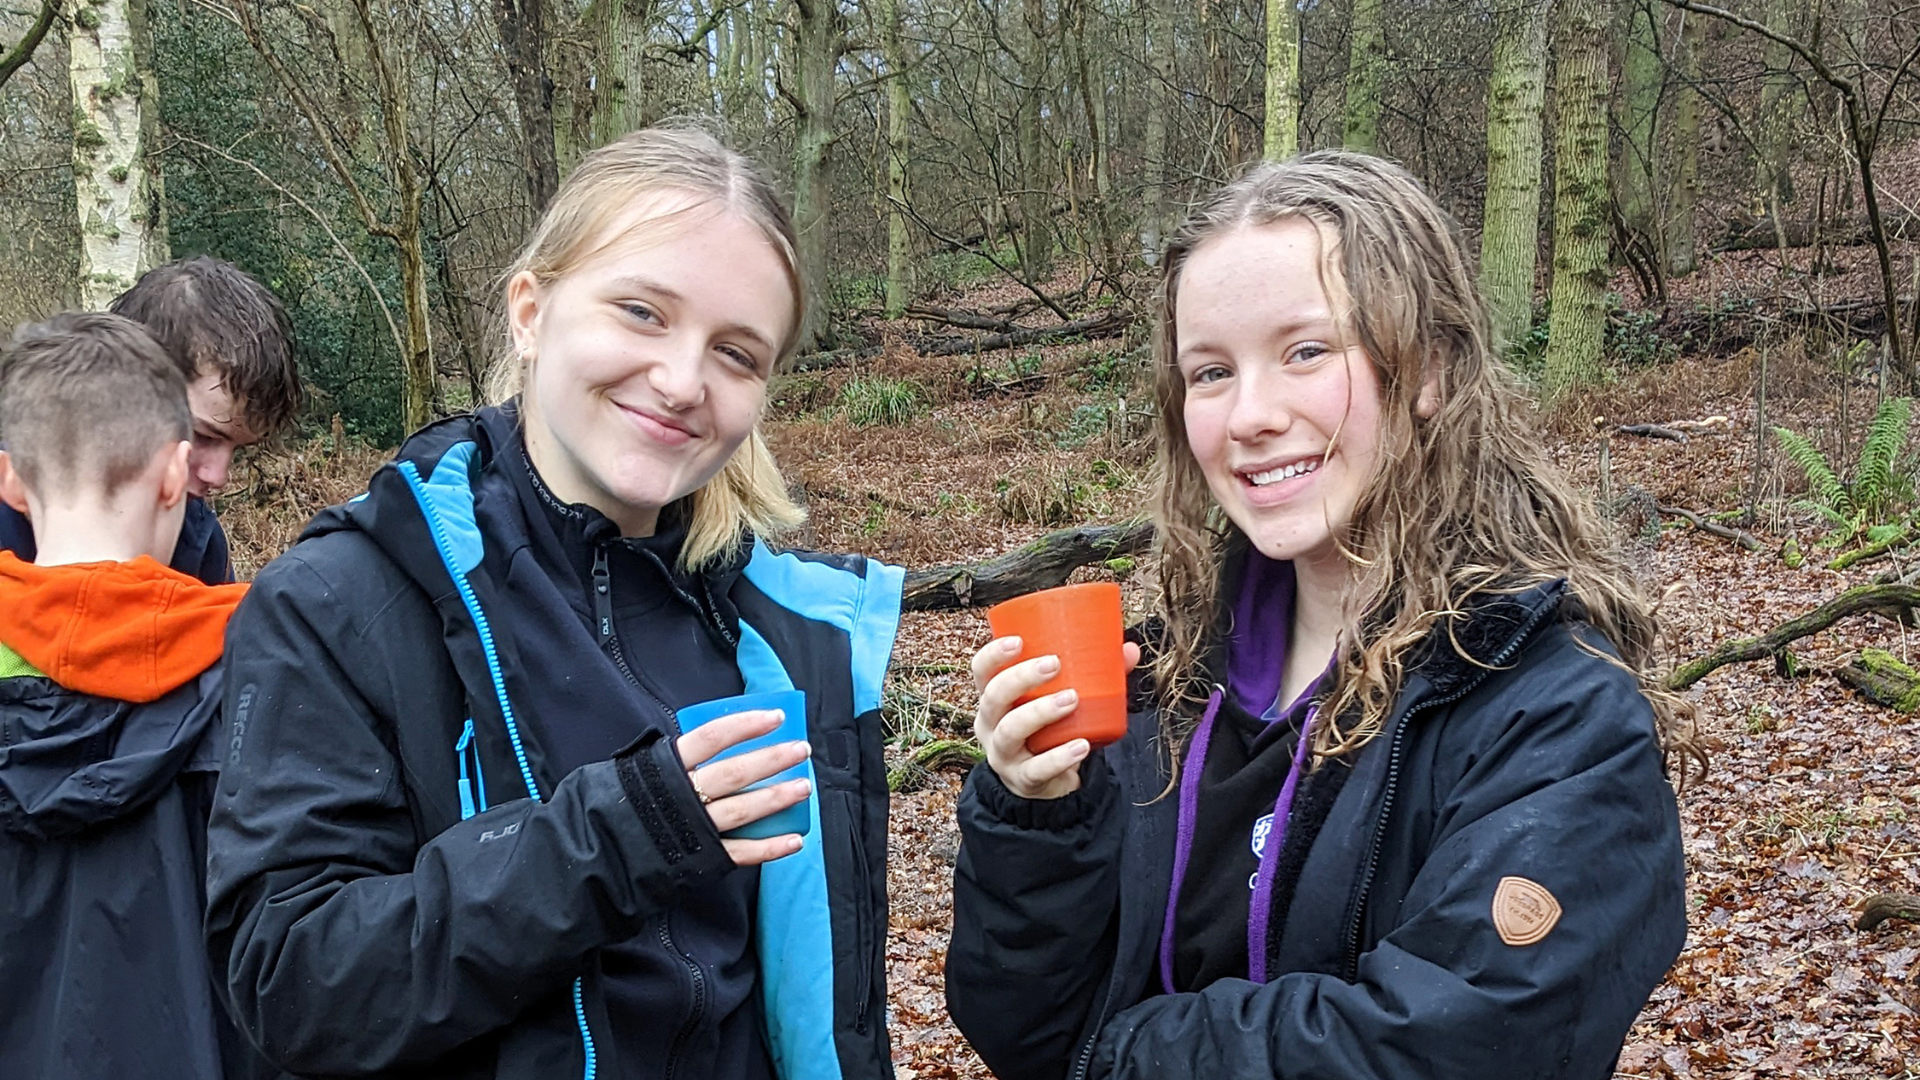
(797, 818)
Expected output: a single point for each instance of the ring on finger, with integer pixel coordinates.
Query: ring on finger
(698, 792)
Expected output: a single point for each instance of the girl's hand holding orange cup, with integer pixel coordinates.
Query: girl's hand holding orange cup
(1053, 685)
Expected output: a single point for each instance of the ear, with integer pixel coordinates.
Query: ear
(13, 490)
(1428, 403)
(173, 474)
(524, 297)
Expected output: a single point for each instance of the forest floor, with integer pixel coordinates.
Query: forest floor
(1812, 803)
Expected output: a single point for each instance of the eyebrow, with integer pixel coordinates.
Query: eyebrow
(635, 283)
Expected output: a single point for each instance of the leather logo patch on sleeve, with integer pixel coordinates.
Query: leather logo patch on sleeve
(1523, 911)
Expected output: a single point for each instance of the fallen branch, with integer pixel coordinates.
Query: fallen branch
(1653, 431)
(1726, 532)
(1894, 601)
(1878, 909)
(966, 320)
(931, 758)
(1108, 323)
(1043, 564)
(1880, 677)
(1871, 551)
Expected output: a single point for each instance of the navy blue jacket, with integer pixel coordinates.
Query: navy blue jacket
(103, 820)
(1538, 761)
(403, 883)
(200, 552)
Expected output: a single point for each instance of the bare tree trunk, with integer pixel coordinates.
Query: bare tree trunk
(899, 105)
(1093, 98)
(1636, 169)
(1160, 97)
(1770, 178)
(1366, 71)
(1516, 97)
(1036, 179)
(116, 177)
(1578, 307)
(523, 39)
(818, 42)
(1682, 254)
(620, 102)
(1282, 137)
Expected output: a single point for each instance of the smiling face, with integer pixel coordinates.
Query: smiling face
(648, 362)
(1282, 405)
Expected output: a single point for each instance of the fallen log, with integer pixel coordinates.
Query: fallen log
(1878, 909)
(1881, 677)
(1713, 528)
(1108, 323)
(1871, 551)
(1894, 601)
(1043, 564)
(1754, 234)
(931, 758)
(966, 320)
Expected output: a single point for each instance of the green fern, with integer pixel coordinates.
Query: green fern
(1829, 494)
(1874, 480)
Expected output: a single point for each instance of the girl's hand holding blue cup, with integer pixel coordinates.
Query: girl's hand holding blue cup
(751, 766)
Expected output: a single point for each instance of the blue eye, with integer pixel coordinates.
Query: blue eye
(741, 358)
(1308, 351)
(640, 311)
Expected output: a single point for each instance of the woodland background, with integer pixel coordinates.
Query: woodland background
(1698, 228)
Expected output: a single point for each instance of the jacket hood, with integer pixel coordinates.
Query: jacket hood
(132, 631)
(71, 761)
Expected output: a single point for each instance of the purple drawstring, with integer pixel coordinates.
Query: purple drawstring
(1262, 898)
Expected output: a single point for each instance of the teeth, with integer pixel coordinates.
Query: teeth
(1287, 472)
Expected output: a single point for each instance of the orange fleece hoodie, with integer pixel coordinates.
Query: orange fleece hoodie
(131, 631)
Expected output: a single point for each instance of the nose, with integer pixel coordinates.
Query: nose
(1259, 408)
(208, 468)
(678, 375)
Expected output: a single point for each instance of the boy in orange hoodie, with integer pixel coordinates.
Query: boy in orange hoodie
(109, 684)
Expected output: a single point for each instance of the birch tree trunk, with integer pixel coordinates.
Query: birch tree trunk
(1516, 98)
(116, 178)
(899, 106)
(1366, 71)
(1578, 304)
(817, 42)
(1283, 80)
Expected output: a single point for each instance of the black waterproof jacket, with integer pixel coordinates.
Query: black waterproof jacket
(1541, 765)
(401, 884)
(103, 821)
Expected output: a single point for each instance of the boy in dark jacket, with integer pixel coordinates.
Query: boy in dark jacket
(228, 336)
(108, 689)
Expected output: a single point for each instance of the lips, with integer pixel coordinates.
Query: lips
(659, 427)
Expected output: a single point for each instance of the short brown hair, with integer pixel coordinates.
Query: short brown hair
(87, 399)
(213, 316)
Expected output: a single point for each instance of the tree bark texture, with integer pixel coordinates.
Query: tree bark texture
(15, 58)
(1682, 242)
(1282, 134)
(1153, 163)
(116, 175)
(523, 40)
(1516, 98)
(1577, 309)
(1366, 76)
(1036, 176)
(1637, 168)
(818, 42)
(1043, 564)
(620, 103)
(899, 115)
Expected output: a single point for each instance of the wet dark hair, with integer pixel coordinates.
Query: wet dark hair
(86, 400)
(212, 316)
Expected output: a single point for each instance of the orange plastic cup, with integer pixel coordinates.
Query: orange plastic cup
(1080, 624)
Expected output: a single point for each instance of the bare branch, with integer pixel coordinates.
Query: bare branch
(17, 57)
